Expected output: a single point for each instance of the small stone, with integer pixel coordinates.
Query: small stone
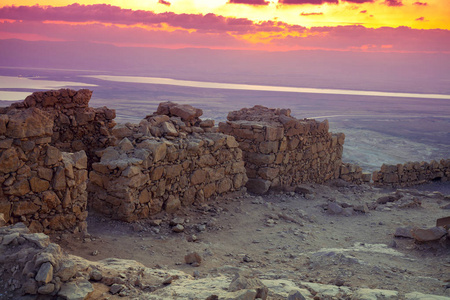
(295, 295)
(393, 244)
(192, 258)
(178, 228)
(168, 280)
(176, 221)
(247, 258)
(94, 253)
(404, 232)
(46, 289)
(30, 287)
(348, 211)
(156, 222)
(201, 227)
(116, 288)
(334, 208)
(96, 275)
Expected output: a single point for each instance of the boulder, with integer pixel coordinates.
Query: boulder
(258, 186)
(185, 112)
(79, 289)
(428, 235)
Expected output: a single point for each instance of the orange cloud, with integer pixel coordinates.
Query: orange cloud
(113, 25)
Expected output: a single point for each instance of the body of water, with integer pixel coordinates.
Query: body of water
(266, 88)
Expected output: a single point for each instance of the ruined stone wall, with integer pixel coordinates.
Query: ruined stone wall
(281, 151)
(76, 126)
(40, 185)
(172, 158)
(412, 173)
(354, 174)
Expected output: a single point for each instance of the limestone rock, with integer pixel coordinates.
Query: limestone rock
(241, 282)
(334, 208)
(258, 186)
(169, 129)
(404, 232)
(31, 122)
(39, 239)
(9, 161)
(172, 204)
(185, 112)
(428, 235)
(45, 273)
(67, 270)
(46, 289)
(53, 156)
(295, 295)
(79, 289)
(193, 258)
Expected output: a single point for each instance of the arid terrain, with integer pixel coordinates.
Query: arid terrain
(291, 241)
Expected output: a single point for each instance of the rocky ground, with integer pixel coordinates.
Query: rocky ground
(334, 241)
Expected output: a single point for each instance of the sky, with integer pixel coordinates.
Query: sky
(408, 26)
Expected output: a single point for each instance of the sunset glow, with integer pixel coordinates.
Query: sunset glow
(345, 25)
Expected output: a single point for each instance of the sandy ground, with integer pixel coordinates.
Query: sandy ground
(292, 236)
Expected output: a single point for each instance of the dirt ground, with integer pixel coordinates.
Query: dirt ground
(291, 235)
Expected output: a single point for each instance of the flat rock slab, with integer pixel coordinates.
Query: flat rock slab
(428, 235)
(76, 290)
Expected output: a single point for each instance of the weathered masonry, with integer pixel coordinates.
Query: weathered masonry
(58, 156)
(412, 173)
(280, 151)
(172, 158)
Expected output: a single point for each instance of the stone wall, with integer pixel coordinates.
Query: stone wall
(354, 174)
(280, 151)
(172, 158)
(40, 185)
(412, 173)
(76, 126)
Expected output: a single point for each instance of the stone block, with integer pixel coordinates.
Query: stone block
(198, 176)
(158, 149)
(258, 186)
(31, 122)
(428, 235)
(185, 112)
(9, 161)
(274, 133)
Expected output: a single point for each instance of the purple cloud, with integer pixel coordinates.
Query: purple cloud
(249, 2)
(393, 2)
(359, 1)
(301, 2)
(164, 2)
(311, 14)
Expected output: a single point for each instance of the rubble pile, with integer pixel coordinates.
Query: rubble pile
(281, 151)
(168, 161)
(412, 173)
(31, 265)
